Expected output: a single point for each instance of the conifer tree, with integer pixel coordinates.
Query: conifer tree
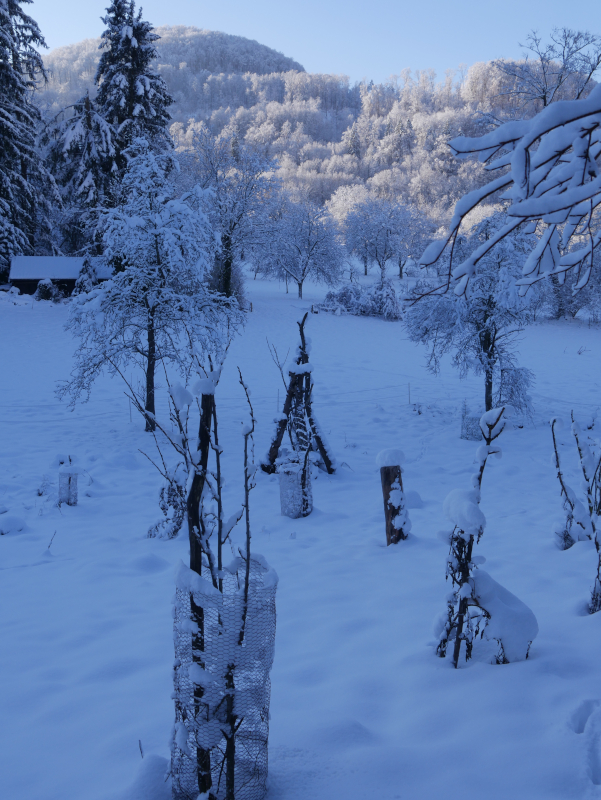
(25, 186)
(132, 97)
(81, 157)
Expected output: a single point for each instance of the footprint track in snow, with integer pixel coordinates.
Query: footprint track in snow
(586, 721)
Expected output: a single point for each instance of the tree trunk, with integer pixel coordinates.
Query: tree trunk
(466, 558)
(365, 265)
(228, 261)
(488, 389)
(203, 757)
(150, 368)
(300, 291)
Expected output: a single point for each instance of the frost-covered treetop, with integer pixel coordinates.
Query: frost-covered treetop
(550, 174)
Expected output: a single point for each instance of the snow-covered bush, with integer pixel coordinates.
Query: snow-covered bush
(478, 607)
(378, 300)
(48, 290)
(87, 278)
(583, 519)
(172, 502)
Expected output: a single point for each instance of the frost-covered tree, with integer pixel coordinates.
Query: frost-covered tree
(25, 187)
(305, 244)
(553, 182)
(132, 96)
(562, 69)
(157, 307)
(480, 327)
(241, 189)
(81, 157)
(374, 231)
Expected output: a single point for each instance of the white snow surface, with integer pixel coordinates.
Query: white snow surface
(361, 707)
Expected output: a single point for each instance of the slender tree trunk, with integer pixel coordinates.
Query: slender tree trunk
(300, 291)
(488, 389)
(228, 261)
(150, 368)
(365, 264)
(203, 757)
(463, 602)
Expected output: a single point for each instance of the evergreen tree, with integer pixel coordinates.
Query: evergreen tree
(25, 186)
(81, 157)
(131, 95)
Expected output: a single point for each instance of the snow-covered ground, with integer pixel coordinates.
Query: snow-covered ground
(361, 707)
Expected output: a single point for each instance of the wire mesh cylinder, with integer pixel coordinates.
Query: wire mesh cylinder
(67, 488)
(222, 687)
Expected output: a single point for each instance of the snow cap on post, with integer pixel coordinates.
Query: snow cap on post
(390, 458)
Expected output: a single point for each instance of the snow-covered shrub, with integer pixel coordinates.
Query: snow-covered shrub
(48, 290)
(87, 278)
(583, 519)
(379, 300)
(478, 607)
(172, 502)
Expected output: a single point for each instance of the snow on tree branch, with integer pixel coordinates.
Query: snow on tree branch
(552, 180)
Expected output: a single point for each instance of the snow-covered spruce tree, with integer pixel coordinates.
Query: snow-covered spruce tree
(479, 607)
(26, 189)
(242, 187)
(81, 156)
(480, 327)
(157, 299)
(132, 96)
(583, 520)
(224, 620)
(305, 244)
(553, 184)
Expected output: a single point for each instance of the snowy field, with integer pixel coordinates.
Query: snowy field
(361, 707)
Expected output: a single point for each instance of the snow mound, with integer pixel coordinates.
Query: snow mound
(413, 499)
(11, 524)
(463, 511)
(511, 623)
(390, 458)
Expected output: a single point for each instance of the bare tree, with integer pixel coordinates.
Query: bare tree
(562, 69)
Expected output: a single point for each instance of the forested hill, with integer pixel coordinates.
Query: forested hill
(188, 57)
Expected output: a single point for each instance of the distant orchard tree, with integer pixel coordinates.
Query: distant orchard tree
(305, 244)
(241, 190)
(479, 329)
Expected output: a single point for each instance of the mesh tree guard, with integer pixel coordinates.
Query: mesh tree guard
(470, 425)
(223, 656)
(296, 495)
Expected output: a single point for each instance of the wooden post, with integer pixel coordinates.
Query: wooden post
(390, 476)
(395, 510)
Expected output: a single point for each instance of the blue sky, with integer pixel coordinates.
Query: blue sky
(363, 39)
